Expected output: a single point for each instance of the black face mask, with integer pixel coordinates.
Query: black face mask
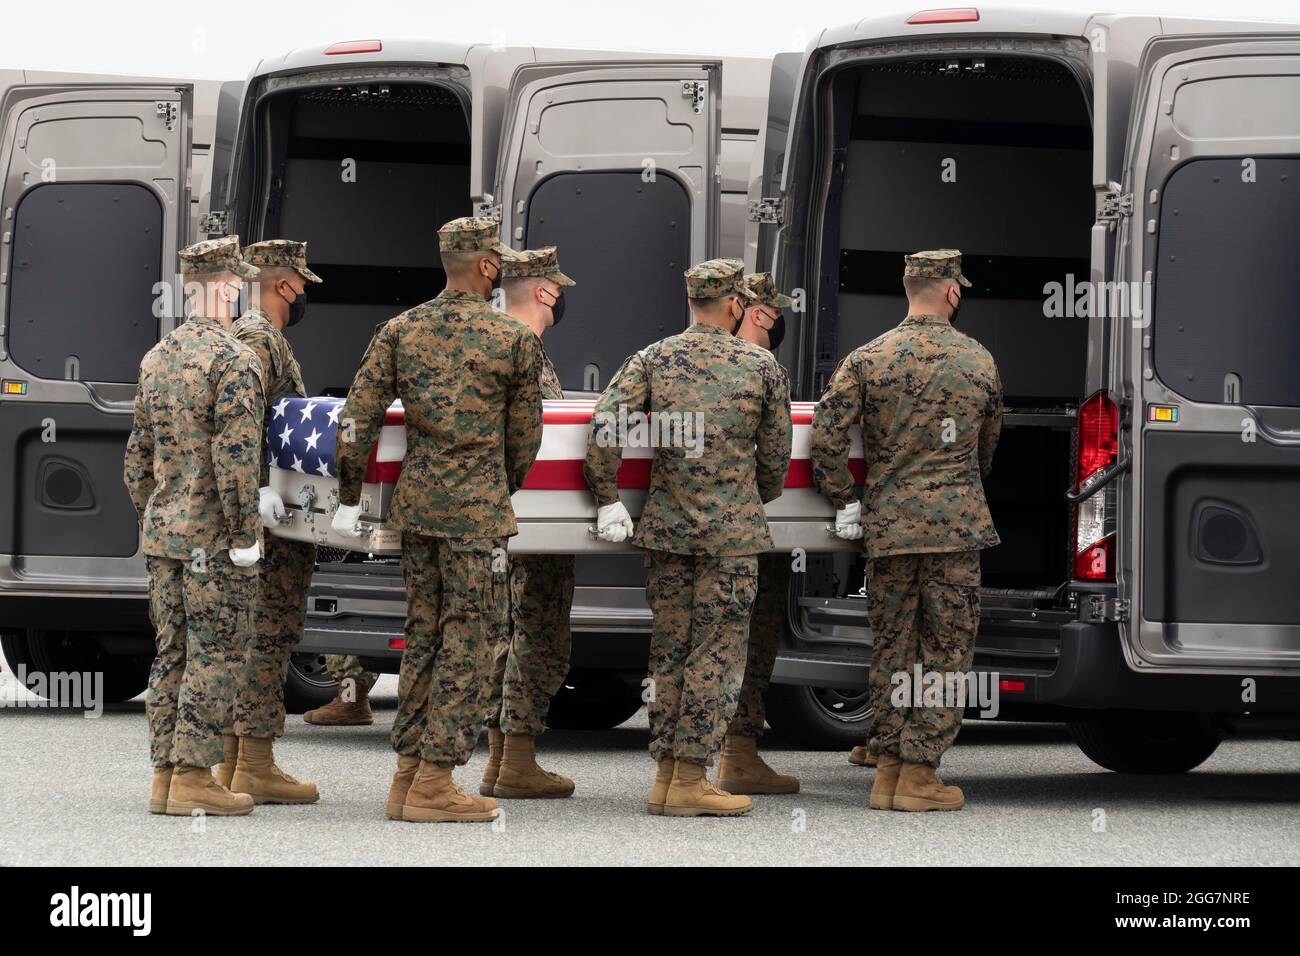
(735, 324)
(776, 333)
(297, 309)
(496, 282)
(953, 318)
(557, 309)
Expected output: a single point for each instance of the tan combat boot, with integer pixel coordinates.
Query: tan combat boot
(162, 782)
(659, 792)
(194, 789)
(342, 713)
(435, 798)
(522, 779)
(691, 795)
(886, 782)
(862, 757)
(402, 780)
(496, 746)
(257, 775)
(919, 789)
(225, 770)
(742, 770)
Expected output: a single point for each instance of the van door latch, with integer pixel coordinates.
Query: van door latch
(1114, 203)
(168, 111)
(1100, 609)
(214, 224)
(767, 209)
(694, 91)
(488, 209)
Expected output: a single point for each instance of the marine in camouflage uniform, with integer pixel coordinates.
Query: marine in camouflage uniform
(703, 523)
(740, 768)
(285, 573)
(351, 704)
(191, 468)
(468, 377)
(930, 401)
(531, 659)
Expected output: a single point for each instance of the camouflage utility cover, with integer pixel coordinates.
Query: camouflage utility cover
(281, 253)
(214, 256)
(715, 278)
(930, 401)
(469, 380)
(936, 264)
(195, 446)
(764, 291)
(474, 234)
(543, 263)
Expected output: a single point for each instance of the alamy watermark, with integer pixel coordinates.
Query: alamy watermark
(638, 429)
(946, 689)
(82, 690)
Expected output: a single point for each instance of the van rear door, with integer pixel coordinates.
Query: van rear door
(617, 163)
(1209, 367)
(96, 201)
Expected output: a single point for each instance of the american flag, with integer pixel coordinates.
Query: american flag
(300, 435)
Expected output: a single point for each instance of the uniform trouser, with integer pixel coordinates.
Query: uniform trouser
(923, 610)
(201, 611)
(532, 658)
(455, 609)
(284, 576)
(701, 606)
(346, 667)
(766, 625)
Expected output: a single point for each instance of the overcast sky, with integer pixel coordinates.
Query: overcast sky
(225, 40)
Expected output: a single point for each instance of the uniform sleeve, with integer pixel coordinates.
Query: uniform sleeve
(774, 436)
(991, 430)
(524, 410)
(138, 468)
(237, 446)
(630, 389)
(839, 408)
(260, 343)
(373, 390)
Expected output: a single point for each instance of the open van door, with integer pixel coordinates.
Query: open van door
(617, 163)
(1210, 396)
(96, 200)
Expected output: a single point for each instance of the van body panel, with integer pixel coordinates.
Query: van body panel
(1208, 508)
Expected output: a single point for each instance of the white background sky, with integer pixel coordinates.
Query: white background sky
(224, 40)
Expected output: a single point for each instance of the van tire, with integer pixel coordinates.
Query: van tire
(1146, 742)
(593, 700)
(307, 684)
(42, 652)
(816, 718)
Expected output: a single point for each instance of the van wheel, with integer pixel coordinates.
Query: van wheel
(125, 675)
(1146, 742)
(307, 684)
(819, 718)
(593, 700)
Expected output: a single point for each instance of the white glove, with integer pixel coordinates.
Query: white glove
(613, 523)
(345, 521)
(848, 522)
(270, 506)
(246, 557)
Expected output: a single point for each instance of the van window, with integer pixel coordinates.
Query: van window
(630, 290)
(81, 289)
(1226, 327)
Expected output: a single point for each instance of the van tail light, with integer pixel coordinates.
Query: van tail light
(354, 46)
(953, 15)
(1093, 518)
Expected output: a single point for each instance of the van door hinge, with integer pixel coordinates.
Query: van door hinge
(214, 224)
(1113, 204)
(488, 209)
(767, 209)
(694, 90)
(168, 111)
(1100, 609)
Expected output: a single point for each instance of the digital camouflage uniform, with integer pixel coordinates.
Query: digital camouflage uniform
(703, 523)
(468, 377)
(191, 467)
(286, 567)
(930, 401)
(532, 658)
(346, 667)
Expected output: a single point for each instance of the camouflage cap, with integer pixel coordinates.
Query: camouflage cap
(283, 253)
(716, 278)
(474, 234)
(765, 292)
(212, 256)
(544, 262)
(935, 264)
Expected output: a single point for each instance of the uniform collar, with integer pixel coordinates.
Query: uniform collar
(203, 320)
(256, 312)
(925, 320)
(460, 294)
(707, 329)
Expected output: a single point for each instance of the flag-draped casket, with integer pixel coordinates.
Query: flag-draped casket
(554, 509)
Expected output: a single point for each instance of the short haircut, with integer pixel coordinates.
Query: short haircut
(459, 262)
(925, 288)
(708, 305)
(519, 288)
